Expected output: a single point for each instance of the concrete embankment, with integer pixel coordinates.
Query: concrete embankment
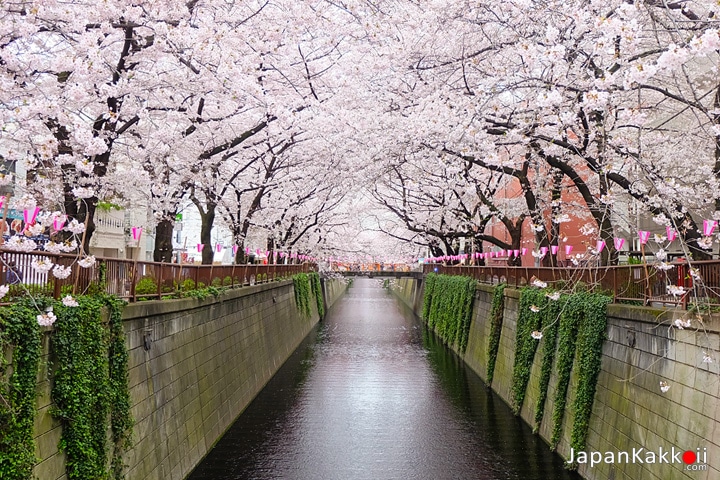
(194, 365)
(630, 412)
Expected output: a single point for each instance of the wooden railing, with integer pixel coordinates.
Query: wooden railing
(132, 280)
(628, 283)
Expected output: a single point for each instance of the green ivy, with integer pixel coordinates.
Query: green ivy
(582, 332)
(551, 321)
(430, 279)
(20, 338)
(589, 345)
(567, 336)
(91, 386)
(525, 345)
(447, 307)
(121, 422)
(301, 285)
(496, 321)
(317, 290)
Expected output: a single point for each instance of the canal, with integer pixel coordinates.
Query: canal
(371, 394)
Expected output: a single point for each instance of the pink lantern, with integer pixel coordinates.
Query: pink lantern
(247, 250)
(58, 223)
(136, 233)
(619, 242)
(554, 249)
(523, 250)
(235, 249)
(3, 199)
(543, 251)
(568, 249)
(644, 236)
(29, 215)
(218, 247)
(709, 227)
(516, 252)
(600, 245)
(671, 234)
(200, 247)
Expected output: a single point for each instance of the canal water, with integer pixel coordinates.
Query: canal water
(371, 394)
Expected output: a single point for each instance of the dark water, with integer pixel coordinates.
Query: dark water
(370, 394)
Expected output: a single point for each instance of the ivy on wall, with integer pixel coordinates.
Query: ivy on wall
(496, 321)
(525, 346)
(572, 326)
(589, 345)
(447, 307)
(551, 321)
(317, 290)
(567, 335)
(91, 387)
(20, 348)
(121, 421)
(301, 286)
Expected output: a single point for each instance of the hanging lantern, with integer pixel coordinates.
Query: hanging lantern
(644, 236)
(523, 250)
(516, 252)
(218, 247)
(30, 214)
(600, 245)
(543, 251)
(619, 242)
(136, 233)
(554, 249)
(568, 249)
(200, 247)
(671, 234)
(58, 223)
(709, 227)
(235, 249)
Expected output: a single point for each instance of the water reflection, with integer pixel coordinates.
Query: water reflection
(373, 395)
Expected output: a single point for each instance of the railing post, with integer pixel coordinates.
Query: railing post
(159, 282)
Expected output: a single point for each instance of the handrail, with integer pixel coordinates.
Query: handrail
(628, 283)
(132, 279)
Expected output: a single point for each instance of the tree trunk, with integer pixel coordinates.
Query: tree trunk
(163, 241)
(208, 219)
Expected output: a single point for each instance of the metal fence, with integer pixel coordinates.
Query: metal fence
(131, 280)
(643, 284)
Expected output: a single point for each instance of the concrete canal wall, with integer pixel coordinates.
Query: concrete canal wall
(629, 411)
(194, 366)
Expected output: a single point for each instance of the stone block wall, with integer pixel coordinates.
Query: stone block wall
(194, 365)
(630, 411)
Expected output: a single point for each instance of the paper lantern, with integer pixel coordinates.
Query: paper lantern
(619, 242)
(516, 252)
(568, 249)
(523, 250)
(200, 247)
(644, 236)
(709, 227)
(136, 233)
(671, 234)
(58, 223)
(218, 247)
(554, 249)
(600, 245)
(30, 214)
